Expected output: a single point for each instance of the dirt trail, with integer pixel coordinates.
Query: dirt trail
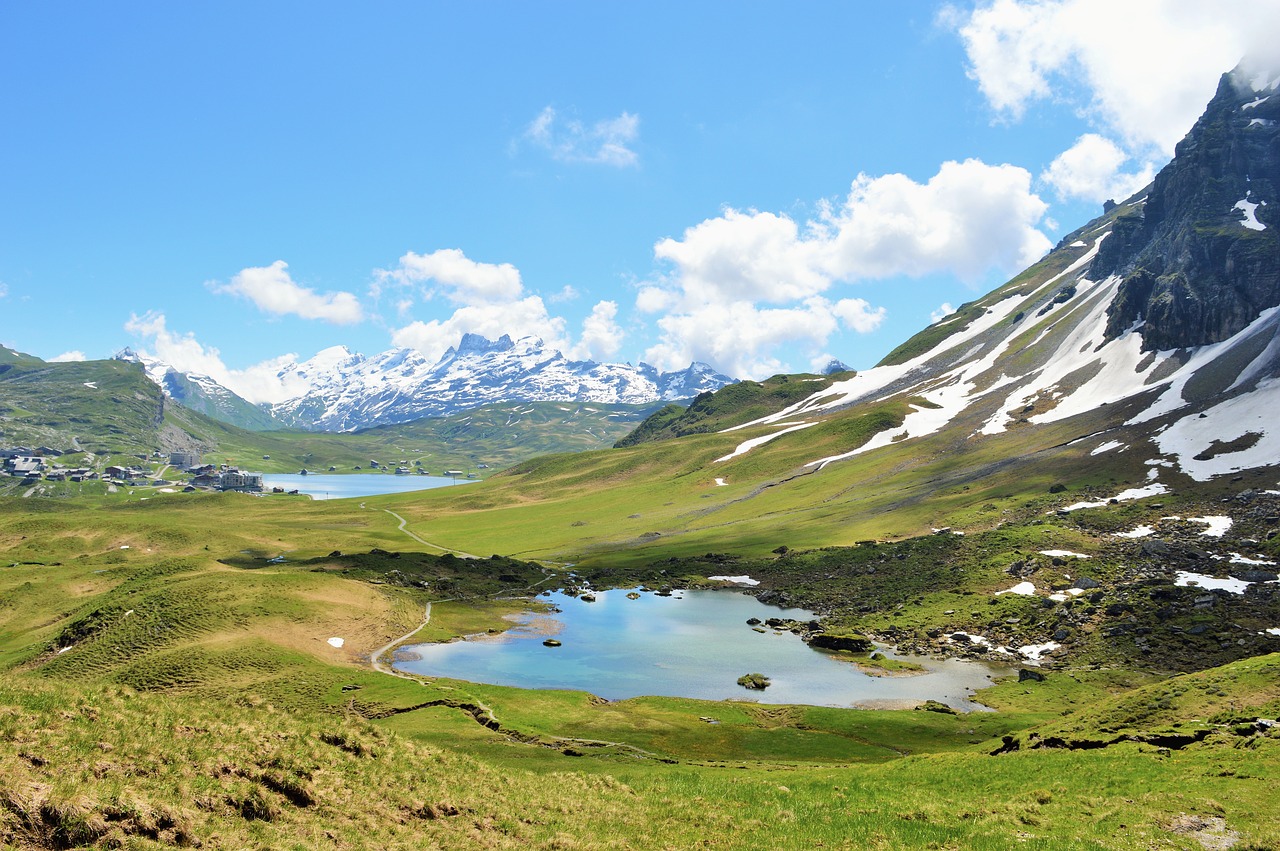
(402, 528)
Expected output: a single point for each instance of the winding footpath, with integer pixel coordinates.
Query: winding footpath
(402, 528)
(376, 657)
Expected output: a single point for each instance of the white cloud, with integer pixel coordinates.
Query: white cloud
(67, 357)
(944, 310)
(1143, 69)
(601, 335)
(566, 293)
(605, 142)
(745, 283)
(968, 219)
(1091, 170)
(4, 289)
(183, 352)
(456, 276)
(739, 338)
(525, 317)
(273, 290)
(753, 256)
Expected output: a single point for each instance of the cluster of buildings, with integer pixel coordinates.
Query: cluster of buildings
(32, 465)
(225, 478)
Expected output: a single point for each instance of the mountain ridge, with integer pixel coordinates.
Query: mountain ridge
(340, 390)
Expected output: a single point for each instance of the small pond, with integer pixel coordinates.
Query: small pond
(694, 644)
(345, 486)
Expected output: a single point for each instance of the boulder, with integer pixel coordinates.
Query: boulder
(842, 641)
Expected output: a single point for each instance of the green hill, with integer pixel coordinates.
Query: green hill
(729, 406)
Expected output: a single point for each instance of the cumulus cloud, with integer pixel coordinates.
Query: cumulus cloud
(944, 310)
(273, 290)
(601, 335)
(457, 277)
(762, 278)
(606, 142)
(740, 338)
(1142, 69)
(1091, 170)
(566, 293)
(67, 357)
(258, 383)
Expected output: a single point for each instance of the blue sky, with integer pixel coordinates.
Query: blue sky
(755, 185)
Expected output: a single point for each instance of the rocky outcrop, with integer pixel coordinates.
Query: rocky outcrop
(1200, 259)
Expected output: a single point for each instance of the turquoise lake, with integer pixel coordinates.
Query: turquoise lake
(346, 486)
(695, 644)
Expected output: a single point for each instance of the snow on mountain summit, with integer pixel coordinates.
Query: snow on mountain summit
(341, 390)
(346, 391)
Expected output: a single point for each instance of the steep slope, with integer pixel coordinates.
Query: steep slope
(101, 407)
(731, 405)
(979, 416)
(1165, 308)
(12, 356)
(201, 393)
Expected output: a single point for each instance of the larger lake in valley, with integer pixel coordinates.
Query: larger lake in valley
(348, 485)
(694, 644)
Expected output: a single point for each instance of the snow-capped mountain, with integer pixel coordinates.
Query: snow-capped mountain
(1154, 329)
(345, 390)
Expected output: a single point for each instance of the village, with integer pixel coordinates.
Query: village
(41, 464)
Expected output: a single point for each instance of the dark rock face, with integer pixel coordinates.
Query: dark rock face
(1194, 273)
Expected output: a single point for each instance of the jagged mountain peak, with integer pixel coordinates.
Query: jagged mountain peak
(1198, 257)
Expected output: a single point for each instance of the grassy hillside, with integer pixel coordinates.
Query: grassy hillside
(729, 406)
(110, 409)
(164, 684)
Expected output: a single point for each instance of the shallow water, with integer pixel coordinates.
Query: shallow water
(321, 486)
(695, 644)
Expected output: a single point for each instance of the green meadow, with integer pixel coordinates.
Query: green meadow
(166, 683)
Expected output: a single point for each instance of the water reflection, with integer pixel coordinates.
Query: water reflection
(695, 644)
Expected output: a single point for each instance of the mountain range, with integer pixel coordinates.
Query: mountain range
(341, 390)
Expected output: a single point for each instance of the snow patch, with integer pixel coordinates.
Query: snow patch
(1153, 489)
(1140, 532)
(1035, 652)
(736, 580)
(92, 385)
(1210, 583)
(336, 642)
(1257, 102)
(1217, 525)
(1229, 420)
(720, 483)
(1022, 589)
(1250, 211)
(1236, 558)
(1062, 554)
(747, 445)
(1108, 446)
